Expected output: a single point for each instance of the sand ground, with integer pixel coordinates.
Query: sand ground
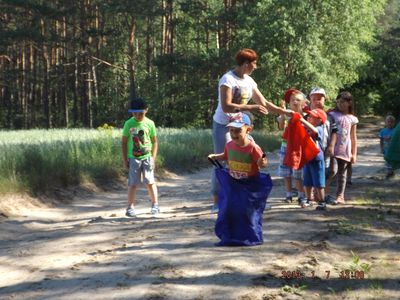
(85, 248)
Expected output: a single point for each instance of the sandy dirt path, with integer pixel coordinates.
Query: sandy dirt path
(88, 249)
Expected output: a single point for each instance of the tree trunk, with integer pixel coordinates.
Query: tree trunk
(149, 45)
(46, 78)
(228, 24)
(167, 41)
(75, 109)
(30, 95)
(24, 86)
(132, 59)
(64, 73)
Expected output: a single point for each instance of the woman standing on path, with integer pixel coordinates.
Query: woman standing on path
(235, 89)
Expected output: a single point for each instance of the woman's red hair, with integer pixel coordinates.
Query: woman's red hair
(246, 56)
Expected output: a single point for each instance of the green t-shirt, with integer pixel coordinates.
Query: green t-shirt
(139, 136)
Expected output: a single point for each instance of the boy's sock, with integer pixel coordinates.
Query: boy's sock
(288, 194)
(301, 195)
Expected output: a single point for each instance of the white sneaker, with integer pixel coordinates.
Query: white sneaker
(130, 212)
(154, 209)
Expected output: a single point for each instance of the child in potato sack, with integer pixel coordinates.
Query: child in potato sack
(244, 156)
(244, 189)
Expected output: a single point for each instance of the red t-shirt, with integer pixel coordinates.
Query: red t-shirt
(242, 161)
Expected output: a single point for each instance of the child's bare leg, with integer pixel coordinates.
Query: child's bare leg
(299, 186)
(153, 193)
(215, 199)
(320, 194)
(131, 196)
(288, 189)
(308, 190)
(288, 184)
(327, 185)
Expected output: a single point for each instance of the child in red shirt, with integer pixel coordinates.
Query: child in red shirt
(244, 156)
(244, 189)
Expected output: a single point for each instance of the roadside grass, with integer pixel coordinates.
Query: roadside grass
(357, 265)
(359, 221)
(378, 203)
(294, 289)
(36, 161)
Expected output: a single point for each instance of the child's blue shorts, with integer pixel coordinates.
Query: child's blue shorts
(314, 174)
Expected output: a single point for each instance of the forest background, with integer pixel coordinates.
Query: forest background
(77, 63)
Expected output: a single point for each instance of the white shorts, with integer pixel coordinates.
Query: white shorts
(141, 171)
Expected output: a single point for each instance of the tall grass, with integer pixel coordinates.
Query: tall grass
(36, 161)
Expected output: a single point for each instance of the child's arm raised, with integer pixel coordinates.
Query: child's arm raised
(310, 126)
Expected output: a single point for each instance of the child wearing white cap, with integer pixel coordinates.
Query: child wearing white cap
(317, 100)
(244, 156)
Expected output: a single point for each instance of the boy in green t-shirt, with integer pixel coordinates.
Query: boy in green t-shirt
(139, 151)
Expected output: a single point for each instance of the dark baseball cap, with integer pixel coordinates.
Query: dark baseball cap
(138, 105)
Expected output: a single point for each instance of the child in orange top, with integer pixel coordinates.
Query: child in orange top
(296, 101)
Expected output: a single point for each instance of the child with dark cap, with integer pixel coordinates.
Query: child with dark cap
(139, 151)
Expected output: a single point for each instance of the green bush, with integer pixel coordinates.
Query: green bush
(36, 161)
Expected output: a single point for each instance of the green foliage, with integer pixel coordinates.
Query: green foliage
(302, 44)
(184, 149)
(357, 265)
(377, 89)
(319, 43)
(36, 161)
(187, 149)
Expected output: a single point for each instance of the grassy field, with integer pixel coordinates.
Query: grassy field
(36, 161)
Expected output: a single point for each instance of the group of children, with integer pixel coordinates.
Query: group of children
(316, 146)
(334, 134)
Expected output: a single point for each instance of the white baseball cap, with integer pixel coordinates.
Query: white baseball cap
(239, 121)
(318, 90)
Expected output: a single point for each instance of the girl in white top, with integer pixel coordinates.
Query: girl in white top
(235, 89)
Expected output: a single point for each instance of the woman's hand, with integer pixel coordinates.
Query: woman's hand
(258, 108)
